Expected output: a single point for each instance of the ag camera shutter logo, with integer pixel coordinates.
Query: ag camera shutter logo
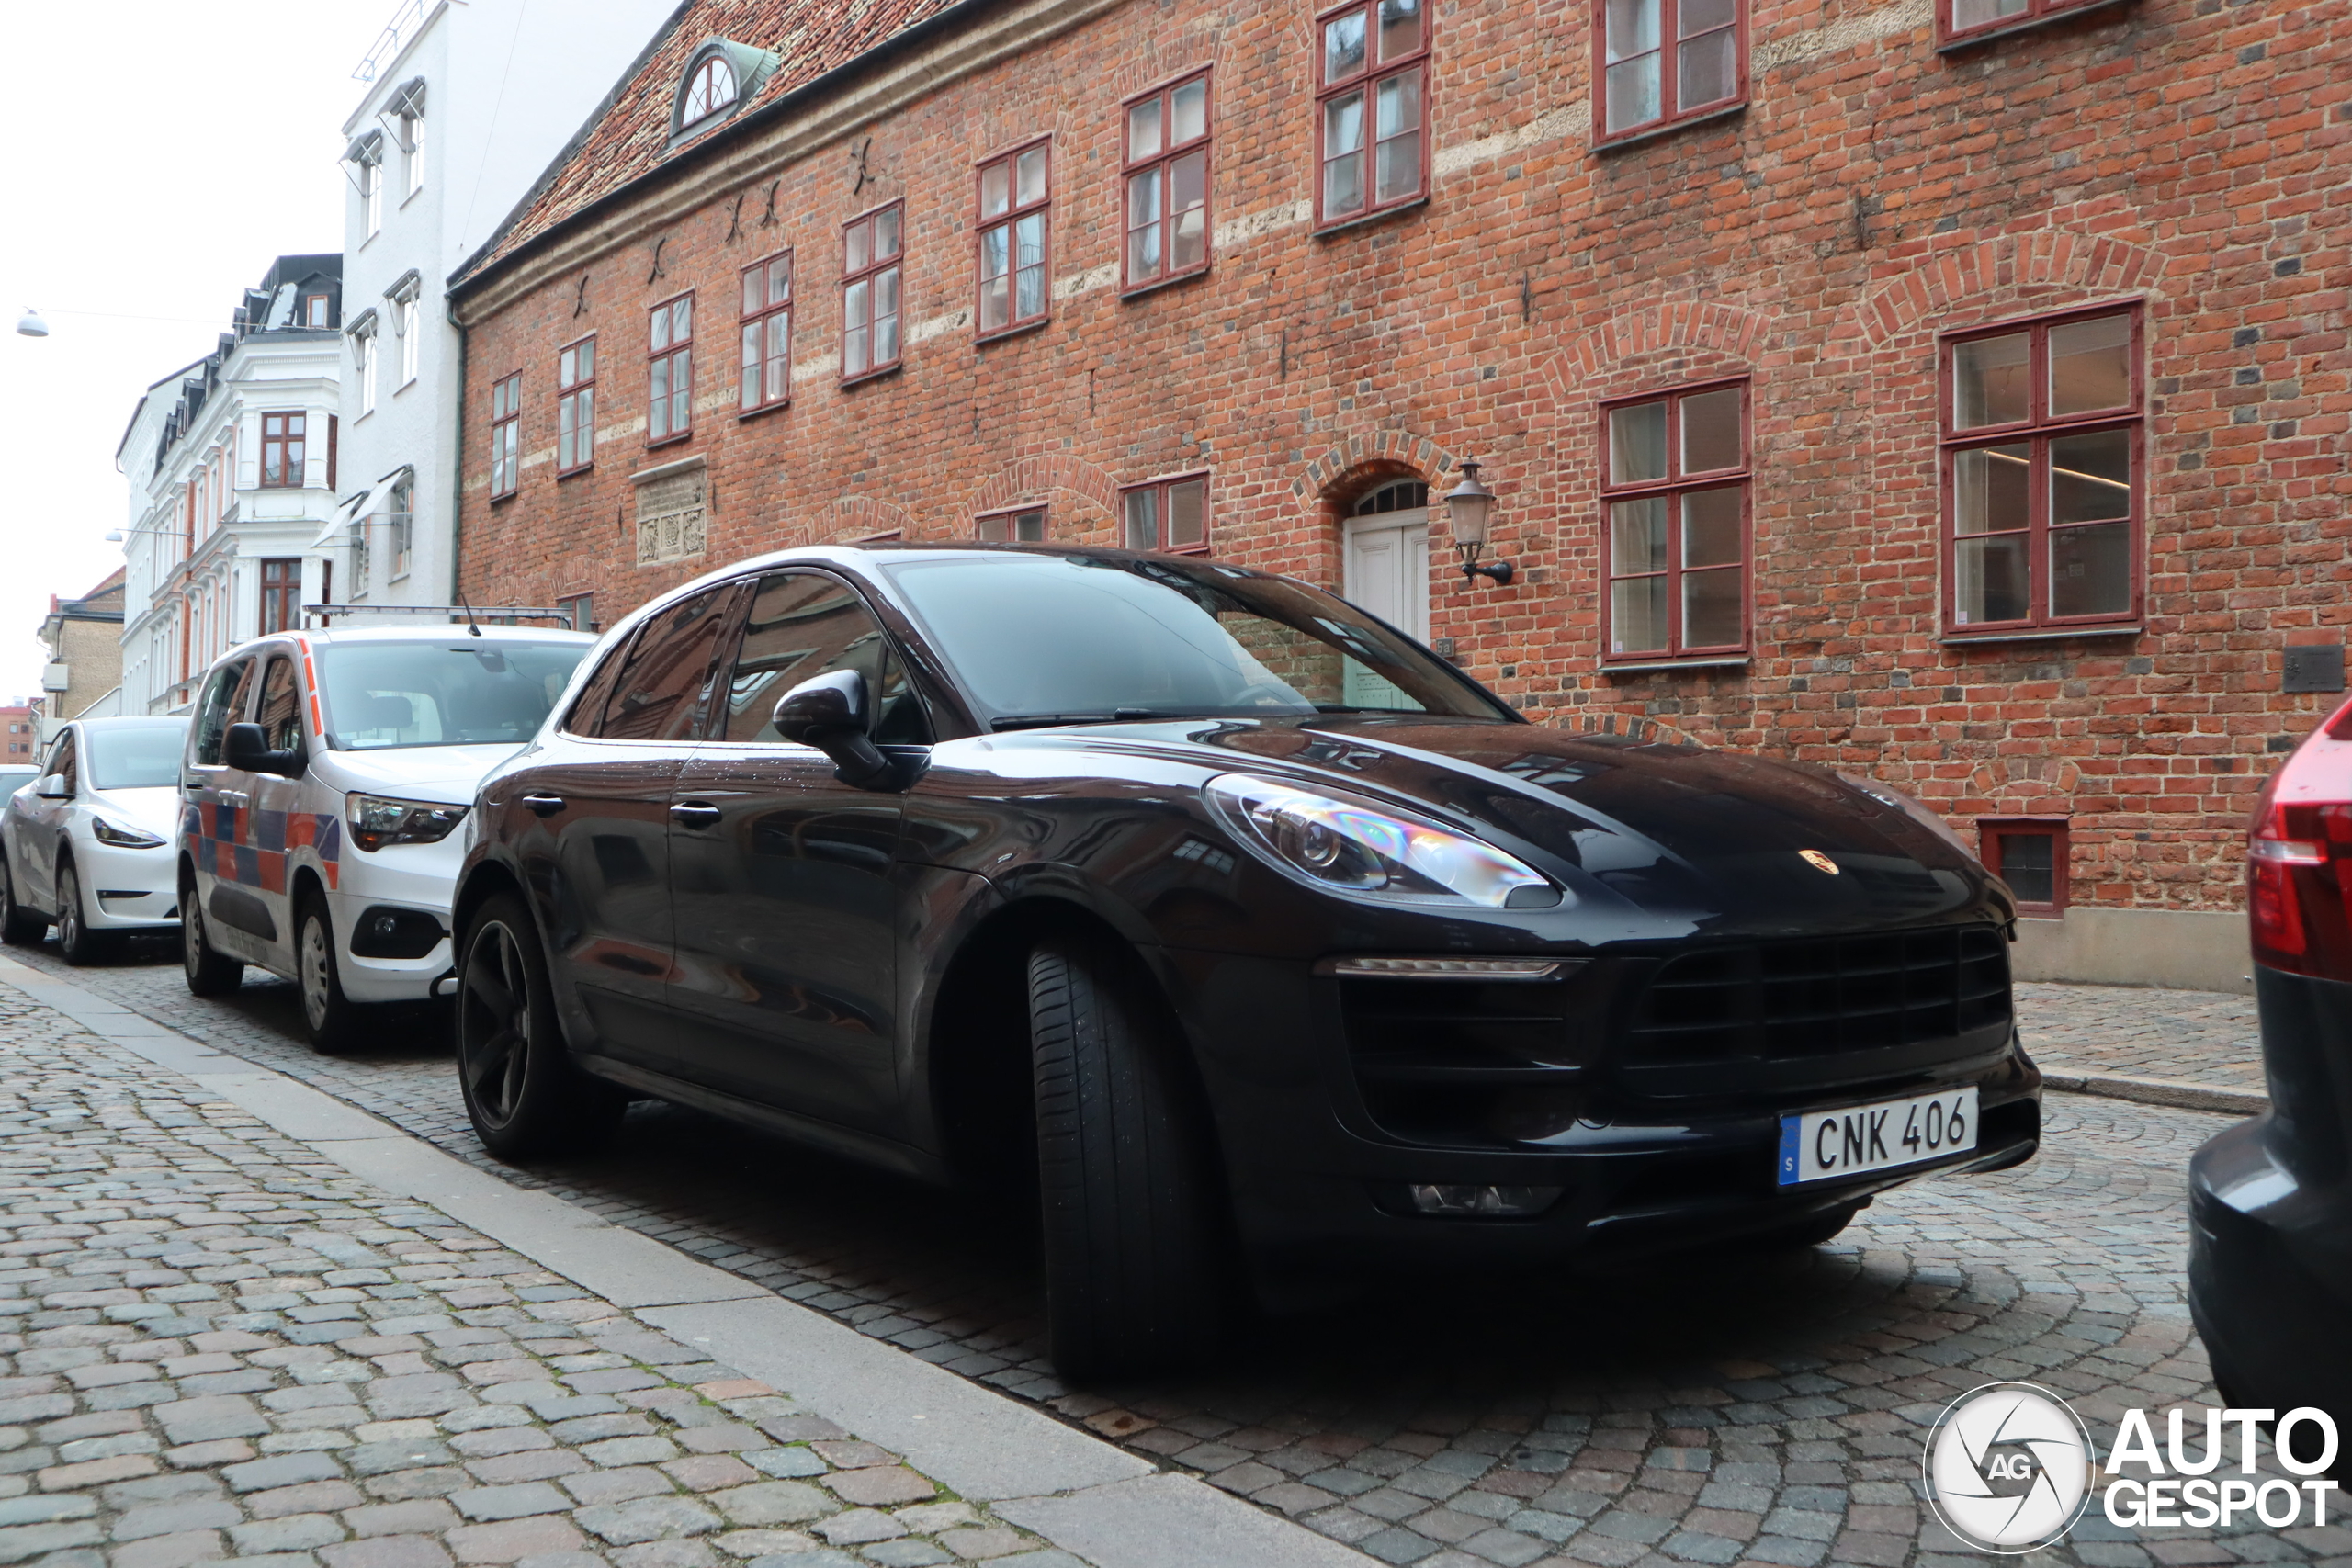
(2008, 1467)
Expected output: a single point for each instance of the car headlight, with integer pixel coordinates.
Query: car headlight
(106, 832)
(1345, 845)
(378, 821)
(1887, 794)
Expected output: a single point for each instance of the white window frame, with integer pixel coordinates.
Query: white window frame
(412, 151)
(363, 367)
(410, 319)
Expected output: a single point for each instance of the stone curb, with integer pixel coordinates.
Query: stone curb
(2159, 1091)
(1091, 1498)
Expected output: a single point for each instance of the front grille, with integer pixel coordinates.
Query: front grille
(1777, 1000)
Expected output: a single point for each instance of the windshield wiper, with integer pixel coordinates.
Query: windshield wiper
(1116, 715)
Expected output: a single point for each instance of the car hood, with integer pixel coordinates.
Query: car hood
(1705, 840)
(157, 810)
(444, 774)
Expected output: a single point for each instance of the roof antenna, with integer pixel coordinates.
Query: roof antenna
(471, 627)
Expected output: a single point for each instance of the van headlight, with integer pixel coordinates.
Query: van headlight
(379, 821)
(1341, 844)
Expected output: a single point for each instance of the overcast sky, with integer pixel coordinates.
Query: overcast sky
(155, 158)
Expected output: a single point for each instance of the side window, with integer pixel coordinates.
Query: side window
(802, 626)
(222, 705)
(281, 715)
(587, 714)
(60, 760)
(663, 689)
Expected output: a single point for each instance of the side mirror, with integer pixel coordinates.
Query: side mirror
(247, 748)
(834, 712)
(52, 787)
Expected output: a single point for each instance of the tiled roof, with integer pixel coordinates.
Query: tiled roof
(632, 138)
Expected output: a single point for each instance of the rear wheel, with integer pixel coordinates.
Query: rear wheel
(19, 927)
(75, 939)
(1135, 1274)
(523, 1093)
(209, 974)
(331, 1017)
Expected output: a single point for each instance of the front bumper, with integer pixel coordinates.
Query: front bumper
(127, 889)
(422, 879)
(2270, 1215)
(1320, 1176)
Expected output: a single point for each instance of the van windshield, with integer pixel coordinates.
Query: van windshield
(469, 693)
(145, 757)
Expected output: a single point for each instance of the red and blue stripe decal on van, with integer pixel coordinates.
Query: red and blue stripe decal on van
(249, 847)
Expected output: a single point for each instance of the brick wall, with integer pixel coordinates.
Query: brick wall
(2191, 154)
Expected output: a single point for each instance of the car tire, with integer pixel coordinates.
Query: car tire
(19, 927)
(524, 1094)
(209, 973)
(331, 1019)
(75, 939)
(1133, 1220)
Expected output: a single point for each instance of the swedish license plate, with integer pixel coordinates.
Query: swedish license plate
(1820, 1144)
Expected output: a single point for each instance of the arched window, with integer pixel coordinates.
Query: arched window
(1405, 495)
(711, 88)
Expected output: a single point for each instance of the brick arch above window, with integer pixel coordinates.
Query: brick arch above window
(854, 518)
(1730, 334)
(1365, 459)
(2010, 274)
(1180, 53)
(1049, 479)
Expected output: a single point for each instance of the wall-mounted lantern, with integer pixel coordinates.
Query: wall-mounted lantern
(1469, 504)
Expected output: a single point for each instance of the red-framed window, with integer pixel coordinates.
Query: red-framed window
(870, 258)
(1013, 525)
(2043, 473)
(575, 406)
(1662, 60)
(281, 595)
(1015, 230)
(767, 333)
(1164, 171)
(281, 451)
(712, 89)
(1675, 484)
(669, 371)
(1170, 513)
(1960, 21)
(505, 436)
(1371, 107)
(2029, 853)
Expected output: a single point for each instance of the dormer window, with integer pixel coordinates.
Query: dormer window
(721, 76)
(711, 89)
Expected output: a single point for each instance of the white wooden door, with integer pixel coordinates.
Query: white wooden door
(1388, 575)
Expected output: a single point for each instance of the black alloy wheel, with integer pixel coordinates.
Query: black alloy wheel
(75, 939)
(1136, 1261)
(19, 927)
(209, 974)
(523, 1093)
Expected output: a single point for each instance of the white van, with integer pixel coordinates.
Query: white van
(324, 774)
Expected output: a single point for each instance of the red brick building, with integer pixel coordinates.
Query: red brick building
(1952, 390)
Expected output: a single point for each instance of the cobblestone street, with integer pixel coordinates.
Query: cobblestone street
(1737, 1409)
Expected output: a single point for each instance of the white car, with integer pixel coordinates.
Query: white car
(88, 842)
(326, 771)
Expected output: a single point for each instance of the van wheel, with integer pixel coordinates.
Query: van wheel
(523, 1093)
(209, 974)
(75, 939)
(331, 1017)
(19, 927)
(1136, 1271)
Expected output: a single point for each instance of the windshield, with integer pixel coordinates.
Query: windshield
(383, 695)
(145, 757)
(1057, 639)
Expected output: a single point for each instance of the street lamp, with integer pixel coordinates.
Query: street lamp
(29, 324)
(1469, 504)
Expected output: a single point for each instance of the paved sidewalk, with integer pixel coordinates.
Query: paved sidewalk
(227, 1346)
(2136, 1043)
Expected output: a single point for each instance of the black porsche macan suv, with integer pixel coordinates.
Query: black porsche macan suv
(1273, 948)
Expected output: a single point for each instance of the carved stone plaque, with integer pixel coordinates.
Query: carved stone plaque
(671, 523)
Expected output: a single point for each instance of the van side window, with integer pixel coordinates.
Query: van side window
(281, 715)
(663, 691)
(223, 702)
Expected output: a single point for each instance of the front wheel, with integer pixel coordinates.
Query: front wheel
(523, 1093)
(331, 1017)
(75, 939)
(209, 974)
(19, 927)
(1135, 1274)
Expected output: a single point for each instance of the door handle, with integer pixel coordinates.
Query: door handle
(695, 814)
(544, 805)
